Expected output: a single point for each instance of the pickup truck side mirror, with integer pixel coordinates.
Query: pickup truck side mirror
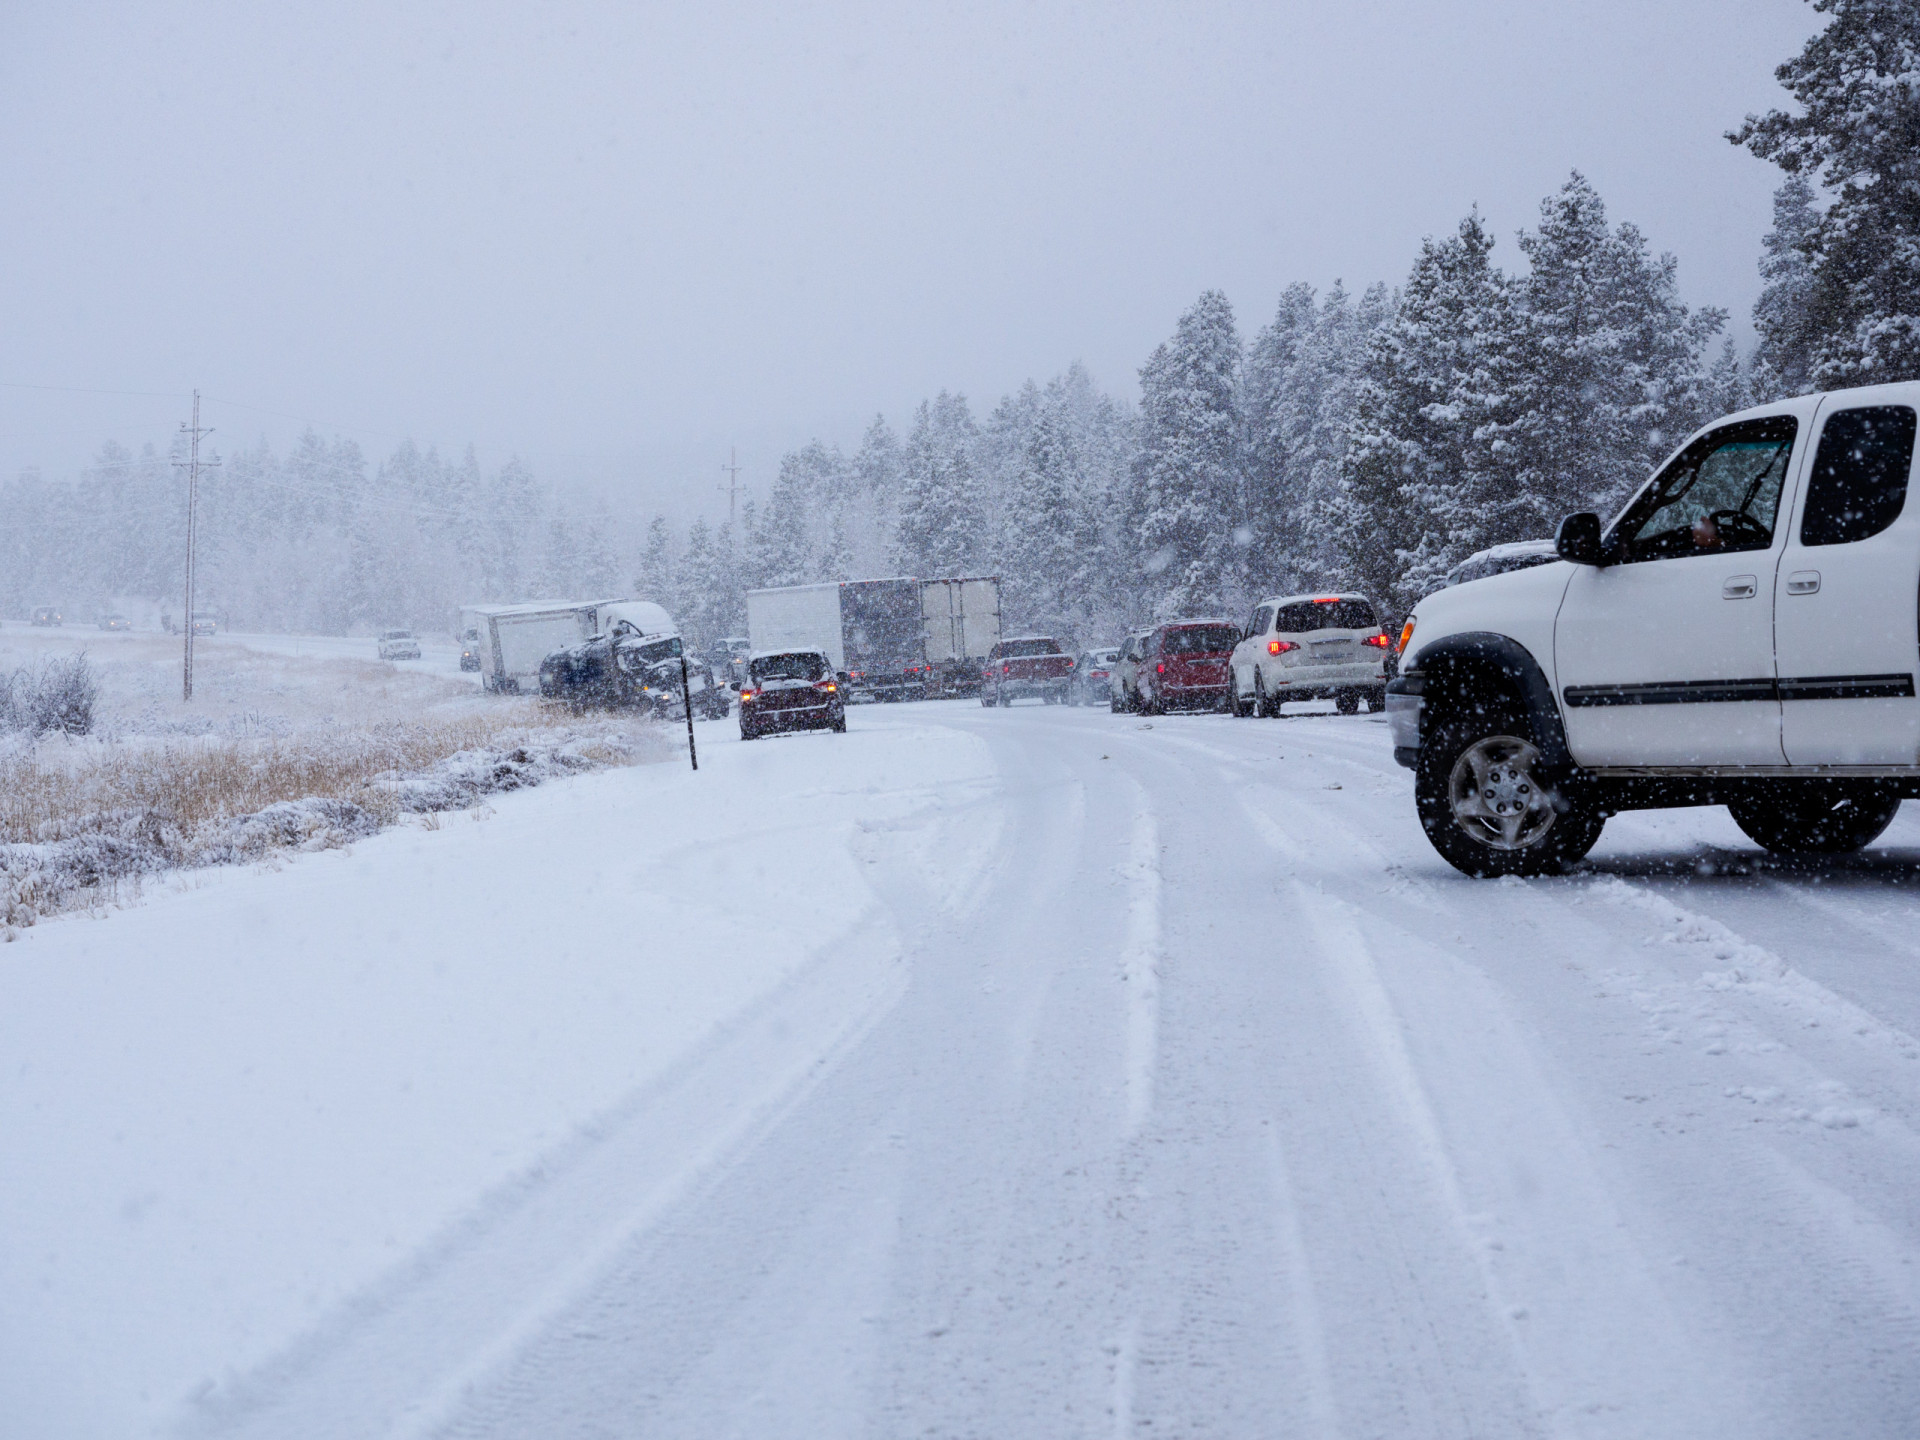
(1579, 539)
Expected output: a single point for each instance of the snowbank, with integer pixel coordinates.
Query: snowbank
(224, 1113)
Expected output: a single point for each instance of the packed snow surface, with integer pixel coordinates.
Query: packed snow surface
(1032, 1072)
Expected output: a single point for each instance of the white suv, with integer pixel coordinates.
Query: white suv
(1309, 647)
(1743, 634)
(399, 645)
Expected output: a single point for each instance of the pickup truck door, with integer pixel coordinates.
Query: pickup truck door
(1844, 602)
(1664, 657)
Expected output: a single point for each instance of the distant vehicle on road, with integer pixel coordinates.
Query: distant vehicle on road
(1122, 698)
(399, 645)
(1092, 669)
(205, 623)
(961, 622)
(791, 690)
(1310, 647)
(115, 622)
(1498, 560)
(728, 656)
(470, 649)
(1026, 665)
(1183, 666)
(48, 615)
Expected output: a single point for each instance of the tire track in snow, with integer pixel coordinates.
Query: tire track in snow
(1140, 960)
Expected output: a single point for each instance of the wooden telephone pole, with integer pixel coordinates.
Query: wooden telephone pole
(192, 466)
(732, 467)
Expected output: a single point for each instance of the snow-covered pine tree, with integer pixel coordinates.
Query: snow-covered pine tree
(876, 473)
(655, 580)
(942, 524)
(1425, 483)
(1858, 134)
(1610, 368)
(1186, 500)
(1784, 315)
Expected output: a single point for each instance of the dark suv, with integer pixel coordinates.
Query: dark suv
(791, 690)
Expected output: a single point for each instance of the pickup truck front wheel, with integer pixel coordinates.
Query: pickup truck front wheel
(1815, 819)
(1483, 805)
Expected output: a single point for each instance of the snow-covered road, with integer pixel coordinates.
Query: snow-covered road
(1130, 1077)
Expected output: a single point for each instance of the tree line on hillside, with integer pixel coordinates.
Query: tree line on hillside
(1366, 440)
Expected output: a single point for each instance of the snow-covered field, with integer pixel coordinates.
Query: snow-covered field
(996, 1073)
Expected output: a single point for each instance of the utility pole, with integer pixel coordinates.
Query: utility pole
(732, 468)
(192, 467)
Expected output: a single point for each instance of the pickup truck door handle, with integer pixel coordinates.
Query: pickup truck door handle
(1803, 582)
(1739, 587)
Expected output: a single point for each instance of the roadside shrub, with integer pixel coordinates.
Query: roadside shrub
(55, 696)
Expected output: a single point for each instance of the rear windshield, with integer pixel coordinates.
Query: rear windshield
(1105, 657)
(790, 667)
(1199, 640)
(1305, 615)
(1014, 649)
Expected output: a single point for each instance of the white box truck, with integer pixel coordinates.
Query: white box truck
(514, 639)
(961, 622)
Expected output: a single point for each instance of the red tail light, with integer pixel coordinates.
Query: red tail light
(1069, 664)
(746, 695)
(1379, 642)
(1280, 647)
(1161, 668)
(1096, 674)
(1006, 669)
(825, 686)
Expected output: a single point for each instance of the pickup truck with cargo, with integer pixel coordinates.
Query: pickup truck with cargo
(1026, 665)
(1743, 633)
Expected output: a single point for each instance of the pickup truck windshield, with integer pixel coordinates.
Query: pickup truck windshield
(1015, 649)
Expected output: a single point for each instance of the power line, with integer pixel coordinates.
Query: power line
(193, 492)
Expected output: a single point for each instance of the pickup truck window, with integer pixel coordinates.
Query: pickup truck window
(1859, 481)
(1015, 649)
(1720, 494)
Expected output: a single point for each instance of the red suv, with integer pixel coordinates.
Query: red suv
(1183, 666)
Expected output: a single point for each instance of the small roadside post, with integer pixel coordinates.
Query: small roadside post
(686, 703)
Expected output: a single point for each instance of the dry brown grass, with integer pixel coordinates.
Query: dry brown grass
(50, 791)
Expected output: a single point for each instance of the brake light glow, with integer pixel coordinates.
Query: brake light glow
(1379, 642)
(1327, 600)
(1280, 647)
(746, 695)
(1096, 674)
(1161, 668)
(1006, 669)
(826, 686)
(1406, 634)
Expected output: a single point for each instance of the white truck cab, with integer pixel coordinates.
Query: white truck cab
(1745, 632)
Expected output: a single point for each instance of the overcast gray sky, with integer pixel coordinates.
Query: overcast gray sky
(615, 238)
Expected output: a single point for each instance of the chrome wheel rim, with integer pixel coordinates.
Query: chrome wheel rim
(1496, 796)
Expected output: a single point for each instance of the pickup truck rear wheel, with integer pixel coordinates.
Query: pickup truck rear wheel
(1347, 702)
(1815, 819)
(1485, 807)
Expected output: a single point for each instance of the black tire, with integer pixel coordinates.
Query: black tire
(987, 698)
(1547, 829)
(1113, 702)
(840, 726)
(1819, 819)
(1347, 702)
(1265, 707)
(1238, 708)
(1376, 701)
(746, 734)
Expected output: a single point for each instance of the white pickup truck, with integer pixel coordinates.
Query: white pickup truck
(1746, 632)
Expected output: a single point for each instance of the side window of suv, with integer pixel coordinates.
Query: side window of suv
(1859, 482)
(1720, 494)
(1262, 618)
